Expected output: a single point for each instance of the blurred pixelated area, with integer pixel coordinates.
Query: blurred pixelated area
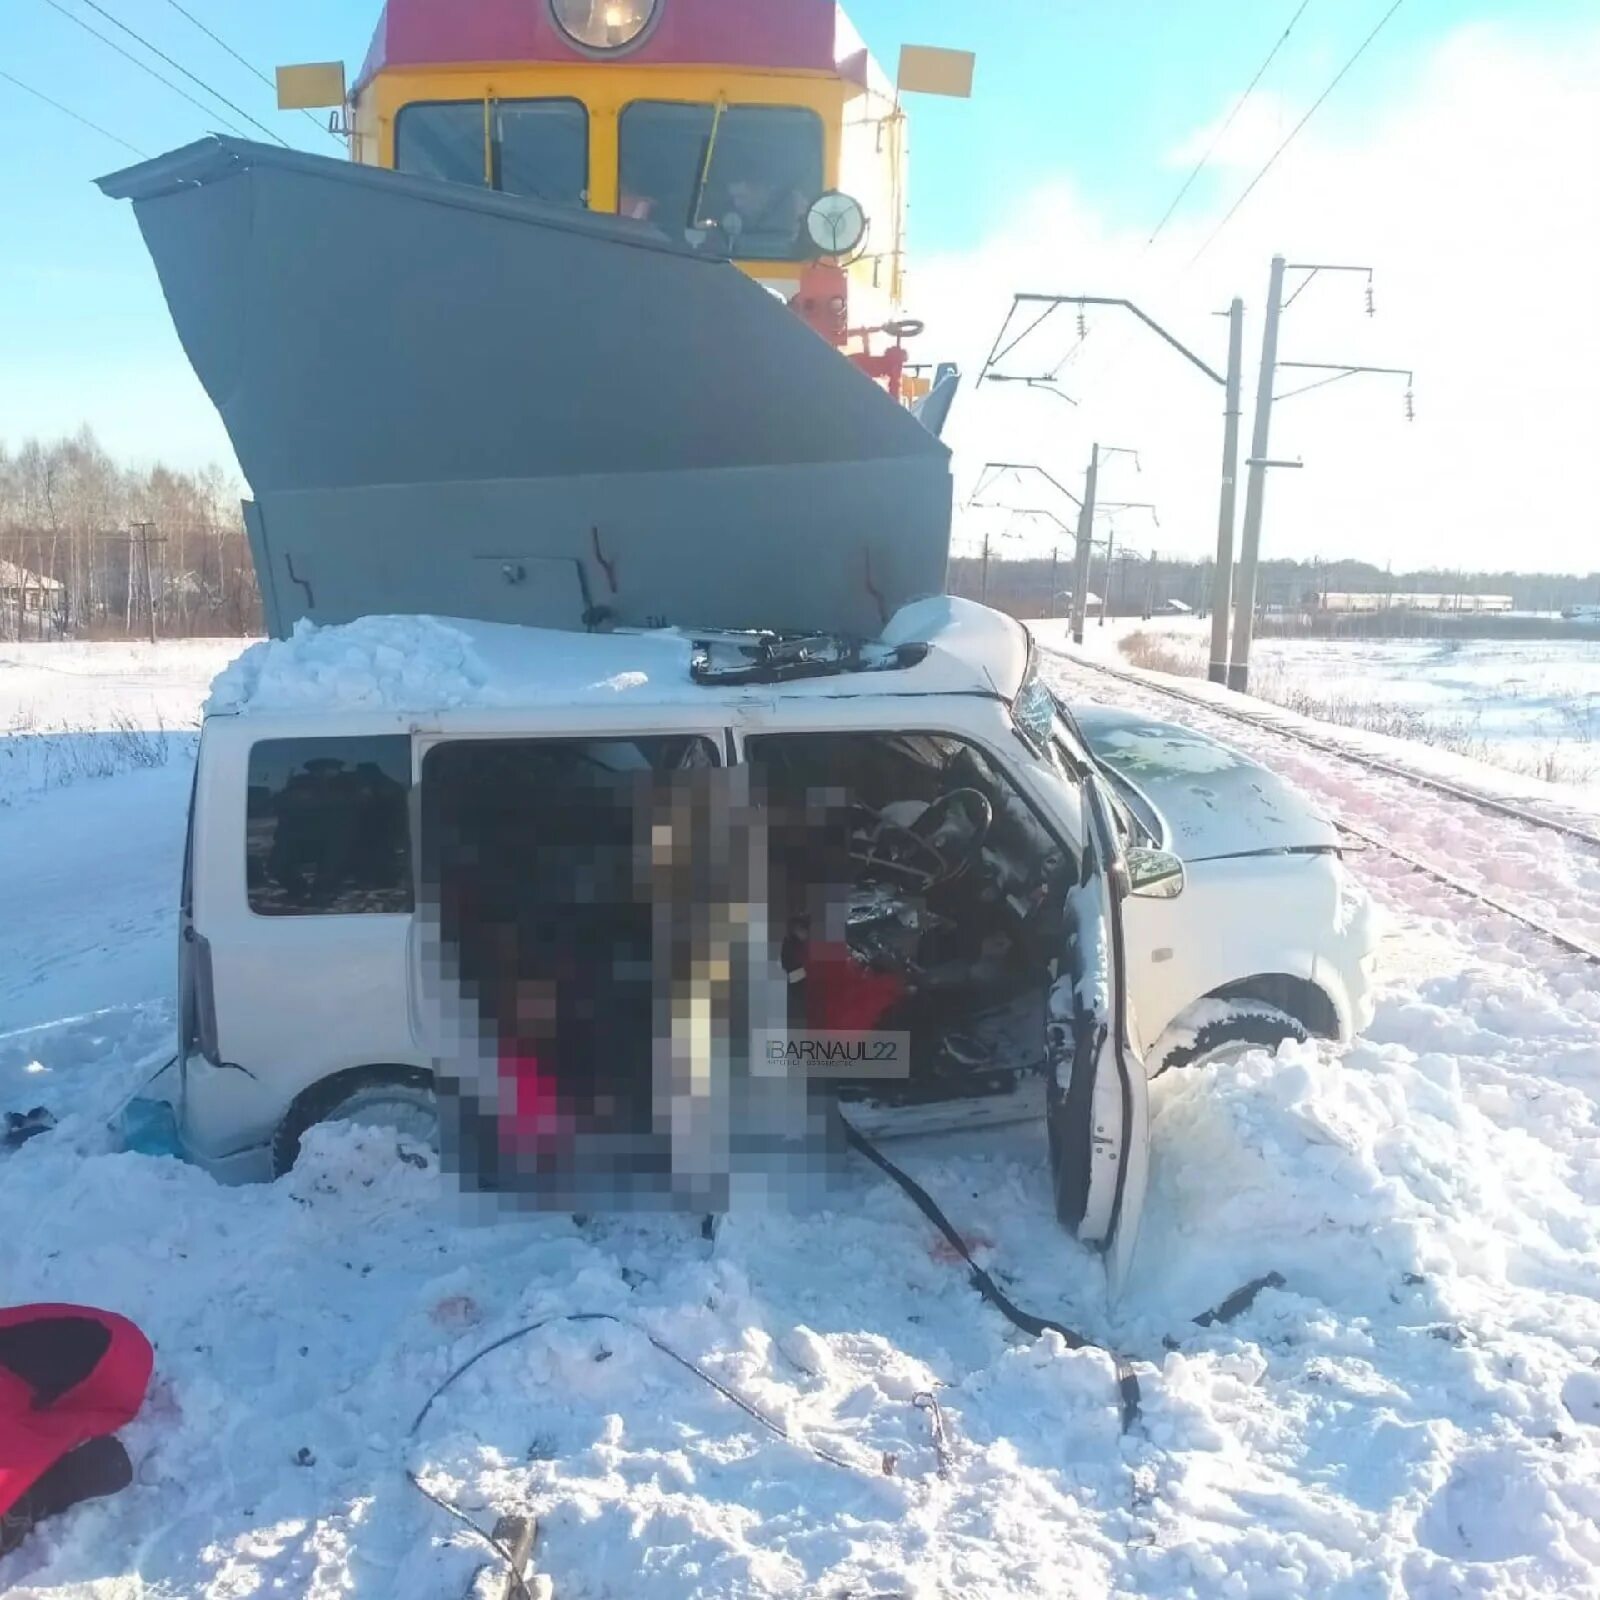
(601, 934)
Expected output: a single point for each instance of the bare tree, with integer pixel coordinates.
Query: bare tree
(64, 504)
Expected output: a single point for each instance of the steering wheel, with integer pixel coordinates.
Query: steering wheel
(956, 825)
(935, 849)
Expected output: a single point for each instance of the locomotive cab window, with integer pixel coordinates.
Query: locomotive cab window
(734, 185)
(536, 148)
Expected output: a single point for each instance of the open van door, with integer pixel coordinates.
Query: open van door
(1096, 1097)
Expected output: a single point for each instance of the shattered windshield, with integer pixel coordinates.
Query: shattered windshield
(731, 180)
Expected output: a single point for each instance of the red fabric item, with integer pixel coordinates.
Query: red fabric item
(536, 1115)
(844, 996)
(32, 1437)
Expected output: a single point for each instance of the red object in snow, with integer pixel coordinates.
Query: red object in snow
(68, 1374)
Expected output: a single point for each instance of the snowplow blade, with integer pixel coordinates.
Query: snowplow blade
(449, 400)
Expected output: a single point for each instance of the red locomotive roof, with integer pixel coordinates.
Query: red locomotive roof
(794, 34)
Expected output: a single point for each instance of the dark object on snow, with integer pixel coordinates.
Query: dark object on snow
(1240, 1300)
(70, 1376)
(517, 1535)
(1127, 1378)
(90, 1472)
(21, 1126)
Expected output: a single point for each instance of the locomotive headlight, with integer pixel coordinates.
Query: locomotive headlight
(604, 25)
(835, 223)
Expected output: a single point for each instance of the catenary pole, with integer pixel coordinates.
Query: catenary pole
(1080, 579)
(1222, 579)
(143, 533)
(1255, 487)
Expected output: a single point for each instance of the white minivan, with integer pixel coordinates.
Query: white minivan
(1013, 905)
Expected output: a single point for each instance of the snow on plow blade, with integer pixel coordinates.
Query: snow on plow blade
(455, 401)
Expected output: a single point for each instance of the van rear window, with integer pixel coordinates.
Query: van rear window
(327, 827)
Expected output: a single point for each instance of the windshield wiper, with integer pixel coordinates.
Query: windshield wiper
(699, 195)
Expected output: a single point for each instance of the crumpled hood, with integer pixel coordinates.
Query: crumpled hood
(1215, 801)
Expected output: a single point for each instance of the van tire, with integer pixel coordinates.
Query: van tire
(1250, 1024)
(324, 1101)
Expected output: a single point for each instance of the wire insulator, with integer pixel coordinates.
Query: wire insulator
(1372, 310)
(1083, 324)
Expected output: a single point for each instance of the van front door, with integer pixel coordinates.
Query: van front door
(1096, 1098)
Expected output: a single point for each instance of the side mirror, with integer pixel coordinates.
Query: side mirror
(1153, 874)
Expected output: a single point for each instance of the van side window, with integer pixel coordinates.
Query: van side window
(326, 826)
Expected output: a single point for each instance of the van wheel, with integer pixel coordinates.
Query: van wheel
(1247, 1025)
(401, 1098)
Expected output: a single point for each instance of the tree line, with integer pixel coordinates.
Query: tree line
(1139, 582)
(76, 528)
(75, 531)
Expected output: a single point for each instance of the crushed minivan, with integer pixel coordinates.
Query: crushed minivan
(1010, 905)
(709, 826)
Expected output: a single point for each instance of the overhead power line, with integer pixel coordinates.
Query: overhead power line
(1221, 133)
(1166, 216)
(143, 66)
(1267, 166)
(178, 66)
(39, 94)
(249, 66)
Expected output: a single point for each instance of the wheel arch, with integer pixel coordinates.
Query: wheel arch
(1301, 998)
(314, 1101)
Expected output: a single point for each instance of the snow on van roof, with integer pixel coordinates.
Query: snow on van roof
(427, 664)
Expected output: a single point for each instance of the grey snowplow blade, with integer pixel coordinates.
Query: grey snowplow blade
(455, 401)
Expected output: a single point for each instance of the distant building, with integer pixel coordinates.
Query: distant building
(29, 593)
(1478, 604)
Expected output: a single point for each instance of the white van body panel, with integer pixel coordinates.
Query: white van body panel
(298, 998)
(1247, 916)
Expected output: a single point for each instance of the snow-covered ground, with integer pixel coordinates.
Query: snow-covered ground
(72, 711)
(1532, 706)
(1416, 1411)
(1537, 694)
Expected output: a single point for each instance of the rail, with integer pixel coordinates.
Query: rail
(1570, 942)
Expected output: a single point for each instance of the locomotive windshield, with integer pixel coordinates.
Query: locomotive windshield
(538, 148)
(735, 182)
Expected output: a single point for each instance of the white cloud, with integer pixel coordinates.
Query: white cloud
(1476, 198)
(1255, 131)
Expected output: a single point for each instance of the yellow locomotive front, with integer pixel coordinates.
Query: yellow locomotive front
(760, 131)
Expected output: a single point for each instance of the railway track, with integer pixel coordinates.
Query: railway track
(1475, 797)
(1573, 943)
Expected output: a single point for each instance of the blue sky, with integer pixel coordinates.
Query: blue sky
(1094, 93)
